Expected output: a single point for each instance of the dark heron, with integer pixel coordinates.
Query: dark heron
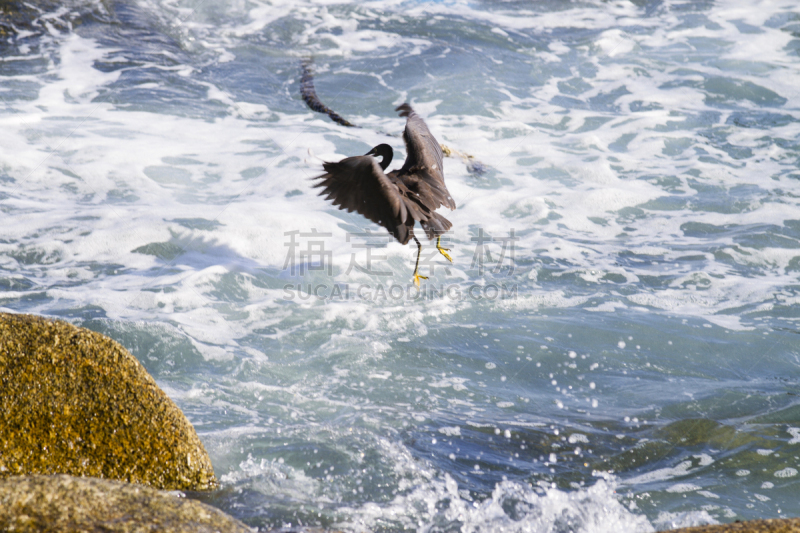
(401, 198)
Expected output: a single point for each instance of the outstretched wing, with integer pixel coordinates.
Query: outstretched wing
(424, 159)
(359, 184)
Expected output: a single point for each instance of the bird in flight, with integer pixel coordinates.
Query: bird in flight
(401, 198)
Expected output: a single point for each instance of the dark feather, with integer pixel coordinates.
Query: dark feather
(309, 94)
(436, 226)
(401, 198)
(359, 184)
(424, 158)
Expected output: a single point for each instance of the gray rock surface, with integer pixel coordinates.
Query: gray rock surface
(66, 504)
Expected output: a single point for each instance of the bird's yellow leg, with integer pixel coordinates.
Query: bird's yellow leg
(417, 275)
(442, 250)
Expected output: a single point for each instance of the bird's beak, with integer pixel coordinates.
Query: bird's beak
(371, 152)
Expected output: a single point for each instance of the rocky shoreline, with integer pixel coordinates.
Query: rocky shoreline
(76, 402)
(66, 504)
(89, 442)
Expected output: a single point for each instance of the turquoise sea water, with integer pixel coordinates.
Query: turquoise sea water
(616, 344)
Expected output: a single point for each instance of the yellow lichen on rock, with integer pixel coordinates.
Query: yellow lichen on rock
(66, 504)
(774, 525)
(73, 401)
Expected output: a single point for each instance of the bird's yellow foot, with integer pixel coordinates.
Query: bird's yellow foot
(417, 277)
(442, 250)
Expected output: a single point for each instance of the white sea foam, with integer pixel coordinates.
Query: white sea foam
(644, 159)
(786, 472)
(662, 474)
(542, 509)
(683, 487)
(668, 520)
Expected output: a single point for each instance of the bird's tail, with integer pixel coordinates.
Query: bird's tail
(436, 225)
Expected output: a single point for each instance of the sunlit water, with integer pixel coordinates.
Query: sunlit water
(614, 348)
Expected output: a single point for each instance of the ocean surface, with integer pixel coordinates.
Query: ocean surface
(615, 346)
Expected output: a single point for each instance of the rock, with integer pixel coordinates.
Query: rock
(76, 402)
(773, 525)
(66, 504)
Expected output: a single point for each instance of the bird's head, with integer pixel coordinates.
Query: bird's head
(385, 152)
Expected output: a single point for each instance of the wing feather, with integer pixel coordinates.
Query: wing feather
(424, 159)
(359, 184)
